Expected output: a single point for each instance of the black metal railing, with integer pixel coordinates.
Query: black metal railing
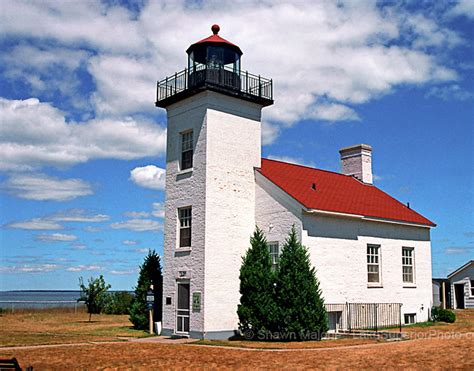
(247, 83)
(367, 316)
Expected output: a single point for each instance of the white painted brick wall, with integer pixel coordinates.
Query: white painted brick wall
(337, 249)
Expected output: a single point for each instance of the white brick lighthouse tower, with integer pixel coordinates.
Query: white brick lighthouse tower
(213, 145)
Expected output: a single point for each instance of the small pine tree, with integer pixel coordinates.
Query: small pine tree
(150, 274)
(301, 308)
(94, 295)
(257, 307)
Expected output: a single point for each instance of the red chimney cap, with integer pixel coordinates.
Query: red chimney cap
(215, 29)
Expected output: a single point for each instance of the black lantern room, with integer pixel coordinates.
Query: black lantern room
(214, 64)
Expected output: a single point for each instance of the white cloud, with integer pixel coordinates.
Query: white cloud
(292, 160)
(26, 268)
(91, 229)
(35, 224)
(347, 53)
(450, 92)
(136, 214)
(78, 246)
(139, 225)
(457, 250)
(78, 215)
(122, 271)
(55, 237)
(41, 187)
(140, 251)
(158, 209)
(463, 7)
(269, 133)
(35, 134)
(83, 268)
(130, 242)
(149, 176)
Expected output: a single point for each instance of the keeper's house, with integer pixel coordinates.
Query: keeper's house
(372, 254)
(462, 286)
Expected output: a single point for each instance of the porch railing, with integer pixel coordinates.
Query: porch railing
(245, 82)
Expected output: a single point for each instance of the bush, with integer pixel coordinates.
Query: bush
(118, 302)
(94, 294)
(442, 315)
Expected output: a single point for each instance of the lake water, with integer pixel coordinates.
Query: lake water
(38, 299)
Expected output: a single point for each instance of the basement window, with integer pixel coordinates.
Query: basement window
(410, 318)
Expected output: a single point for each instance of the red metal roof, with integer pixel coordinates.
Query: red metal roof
(215, 38)
(337, 193)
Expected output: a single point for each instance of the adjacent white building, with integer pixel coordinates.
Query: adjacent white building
(368, 248)
(462, 286)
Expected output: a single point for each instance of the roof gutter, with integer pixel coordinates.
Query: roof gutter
(368, 218)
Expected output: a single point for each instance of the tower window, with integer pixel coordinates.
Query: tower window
(407, 264)
(274, 253)
(186, 150)
(373, 264)
(185, 226)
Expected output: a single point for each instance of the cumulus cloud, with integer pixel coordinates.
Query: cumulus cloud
(463, 8)
(35, 134)
(55, 237)
(149, 176)
(41, 187)
(139, 225)
(347, 53)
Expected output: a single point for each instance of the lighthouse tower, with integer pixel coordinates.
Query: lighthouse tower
(213, 146)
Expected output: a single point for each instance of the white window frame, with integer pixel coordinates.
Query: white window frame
(185, 222)
(186, 145)
(374, 260)
(408, 261)
(275, 256)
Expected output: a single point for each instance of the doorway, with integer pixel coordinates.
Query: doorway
(334, 321)
(459, 295)
(182, 308)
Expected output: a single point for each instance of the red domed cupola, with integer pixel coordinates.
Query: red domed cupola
(214, 64)
(215, 49)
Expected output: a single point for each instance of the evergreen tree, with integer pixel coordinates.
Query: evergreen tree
(150, 274)
(301, 310)
(257, 307)
(94, 294)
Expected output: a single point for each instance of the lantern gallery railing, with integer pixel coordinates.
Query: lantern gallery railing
(254, 86)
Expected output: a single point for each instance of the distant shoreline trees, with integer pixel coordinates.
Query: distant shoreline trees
(283, 303)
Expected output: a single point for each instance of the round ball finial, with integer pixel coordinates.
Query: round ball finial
(215, 29)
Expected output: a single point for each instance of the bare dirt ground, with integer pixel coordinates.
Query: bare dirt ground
(444, 346)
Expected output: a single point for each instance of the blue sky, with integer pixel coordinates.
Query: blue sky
(82, 146)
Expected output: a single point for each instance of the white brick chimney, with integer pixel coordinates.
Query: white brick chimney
(357, 161)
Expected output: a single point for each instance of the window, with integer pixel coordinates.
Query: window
(186, 150)
(185, 227)
(373, 264)
(472, 287)
(410, 318)
(274, 253)
(407, 264)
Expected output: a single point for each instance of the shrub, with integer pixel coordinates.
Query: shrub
(257, 306)
(442, 315)
(94, 294)
(301, 307)
(118, 302)
(150, 274)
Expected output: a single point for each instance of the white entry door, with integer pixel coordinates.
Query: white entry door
(182, 309)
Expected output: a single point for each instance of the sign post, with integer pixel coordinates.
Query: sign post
(150, 299)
